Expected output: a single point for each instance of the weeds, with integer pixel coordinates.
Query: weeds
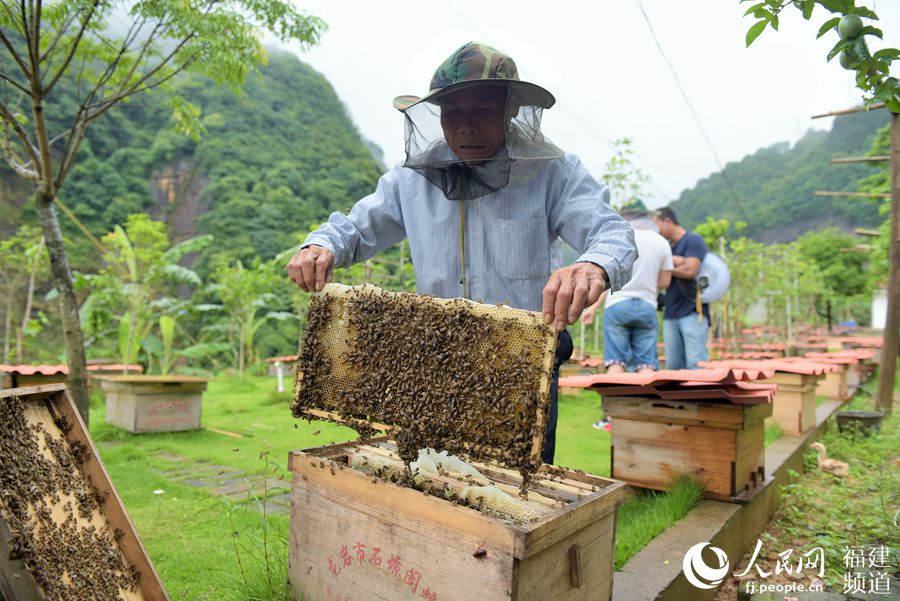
(262, 554)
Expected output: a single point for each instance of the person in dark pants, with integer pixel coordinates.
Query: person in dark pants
(484, 199)
(563, 353)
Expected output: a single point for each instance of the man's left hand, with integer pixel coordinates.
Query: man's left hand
(569, 290)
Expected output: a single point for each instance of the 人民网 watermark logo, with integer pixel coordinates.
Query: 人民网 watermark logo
(698, 572)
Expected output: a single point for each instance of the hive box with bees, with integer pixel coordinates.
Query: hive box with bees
(64, 533)
(400, 516)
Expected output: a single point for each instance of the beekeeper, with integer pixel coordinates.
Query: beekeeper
(485, 200)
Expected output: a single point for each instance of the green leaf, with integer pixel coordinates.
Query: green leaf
(754, 31)
(828, 26)
(862, 11)
(807, 7)
(774, 21)
(870, 30)
(892, 105)
(887, 53)
(755, 8)
(837, 48)
(182, 274)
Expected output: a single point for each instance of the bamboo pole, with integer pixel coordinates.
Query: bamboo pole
(858, 109)
(853, 194)
(861, 159)
(891, 347)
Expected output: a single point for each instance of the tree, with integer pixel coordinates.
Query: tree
(244, 293)
(16, 273)
(873, 71)
(45, 42)
(874, 80)
(626, 180)
(134, 290)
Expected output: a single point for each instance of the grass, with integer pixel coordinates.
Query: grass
(191, 535)
(209, 548)
(578, 444)
(773, 432)
(821, 510)
(645, 515)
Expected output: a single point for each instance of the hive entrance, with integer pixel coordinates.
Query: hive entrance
(453, 375)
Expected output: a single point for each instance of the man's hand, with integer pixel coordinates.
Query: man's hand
(311, 267)
(569, 290)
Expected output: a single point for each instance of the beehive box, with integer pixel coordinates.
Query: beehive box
(153, 403)
(64, 533)
(359, 537)
(457, 376)
(834, 385)
(655, 441)
(794, 404)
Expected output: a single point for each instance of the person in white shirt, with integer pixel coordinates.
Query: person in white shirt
(630, 324)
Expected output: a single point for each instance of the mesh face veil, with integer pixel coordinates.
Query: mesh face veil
(479, 129)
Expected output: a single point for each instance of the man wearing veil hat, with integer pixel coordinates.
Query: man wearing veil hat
(485, 200)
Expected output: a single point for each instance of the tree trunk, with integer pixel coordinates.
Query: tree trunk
(7, 324)
(62, 279)
(891, 346)
(26, 316)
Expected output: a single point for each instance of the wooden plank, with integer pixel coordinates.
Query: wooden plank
(16, 582)
(652, 455)
(334, 417)
(751, 458)
(535, 537)
(547, 576)
(719, 415)
(327, 520)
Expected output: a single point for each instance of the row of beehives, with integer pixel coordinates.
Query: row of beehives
(363, 529)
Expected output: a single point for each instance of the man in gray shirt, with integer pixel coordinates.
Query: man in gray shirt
(484, 200)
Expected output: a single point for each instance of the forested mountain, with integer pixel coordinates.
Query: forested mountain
(274, 160)
(773, 187)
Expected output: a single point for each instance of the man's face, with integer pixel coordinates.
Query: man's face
(474, 121)
(664, 225)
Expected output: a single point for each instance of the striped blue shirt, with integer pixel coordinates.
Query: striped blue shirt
(512, 237)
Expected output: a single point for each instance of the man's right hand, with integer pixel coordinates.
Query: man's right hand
(311, 267)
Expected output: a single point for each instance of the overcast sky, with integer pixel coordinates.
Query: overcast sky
(602, 63)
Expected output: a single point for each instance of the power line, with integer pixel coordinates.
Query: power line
(693, 112)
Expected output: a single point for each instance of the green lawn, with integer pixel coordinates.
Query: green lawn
(192, 536)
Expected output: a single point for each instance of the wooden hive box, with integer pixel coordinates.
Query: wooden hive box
(468, 378)
(794, 403)
(358, 537)
(654, 441)
(142, 404)
(61, 520)
(834, 385)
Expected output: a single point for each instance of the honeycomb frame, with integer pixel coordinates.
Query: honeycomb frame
(451, 374)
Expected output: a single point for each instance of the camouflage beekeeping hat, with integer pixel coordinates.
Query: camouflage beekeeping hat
(475, 64)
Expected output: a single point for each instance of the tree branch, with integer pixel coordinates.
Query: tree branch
(72, 49)
(14, 161)
(10, 119)
(128, 90)
(16, 84)
(59, 35)
(15, 55)
(73, 143)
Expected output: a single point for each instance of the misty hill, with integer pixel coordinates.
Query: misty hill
(274, 160)
(774, 186)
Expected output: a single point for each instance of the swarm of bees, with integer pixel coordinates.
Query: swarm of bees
(42, 476)
(453, 375)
